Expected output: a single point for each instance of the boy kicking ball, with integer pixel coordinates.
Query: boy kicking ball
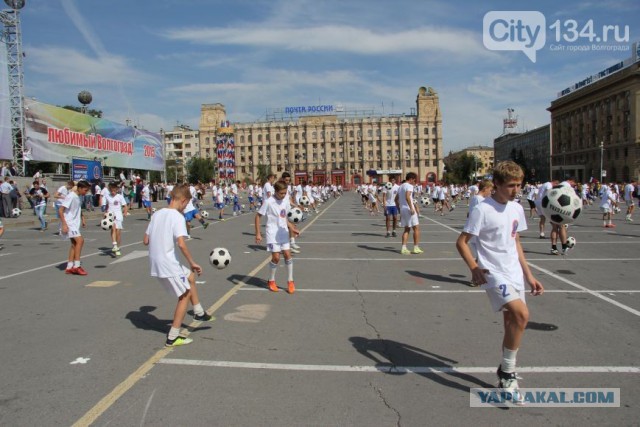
(278, 227)
(114, 202)
(166, 230)
(71, 220)
(501, 268)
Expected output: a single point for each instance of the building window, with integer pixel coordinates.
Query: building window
(396, 132)
(277, 137)
(406, 132)
(242, 139)
(206, 140)
(426, 131)
(295, 136)
(370, 133)
(350, 134)
(259, 137)
(434, 163)
(415, 131)
(314, 135)
(388, 132)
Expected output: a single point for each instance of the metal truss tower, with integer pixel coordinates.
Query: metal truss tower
(12, 37)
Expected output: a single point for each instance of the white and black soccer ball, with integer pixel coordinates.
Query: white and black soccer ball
(295, 215)
(425, 201)
(154, 210)
(561, 205)
(16, 212)
(204, 214)
(304, 201)
(305, 209)
(106, 224)
(616, 209)
(109, 215)
(571, 242)
(242, 207)
(220, 258)
(388, 185)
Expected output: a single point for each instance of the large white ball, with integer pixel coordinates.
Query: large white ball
(204, 214)
(106, 224)
(220, 258)
(295, 215)
(16, 212)
(388, 185)
(571, 242)
(561, 205)
(304, 201)
(109, 215)
(425, 201)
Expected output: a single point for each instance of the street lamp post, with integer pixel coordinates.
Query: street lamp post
(601, 159)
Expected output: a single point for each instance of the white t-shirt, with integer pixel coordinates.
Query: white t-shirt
(496, 227)
(104, 192)
(268, 190)
(542, 190)
(475, 200)
(276, 210)
(115, 204)
(628, 192)
(165, 227)
(607, 198)
(390, 195)
(402, 196)
(72, 213)
(145, 193)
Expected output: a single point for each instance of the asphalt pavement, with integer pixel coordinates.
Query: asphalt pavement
(370, 338)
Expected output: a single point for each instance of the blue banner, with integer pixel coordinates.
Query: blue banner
(88, 170)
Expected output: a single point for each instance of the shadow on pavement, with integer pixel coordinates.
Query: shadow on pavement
(438, 277)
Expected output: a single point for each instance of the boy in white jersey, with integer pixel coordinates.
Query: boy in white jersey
(390, 208)
(71, 220)
(628, 199)
(408, 214)
(277, 230)
(114, 202)
(501, 269)
(167, 230)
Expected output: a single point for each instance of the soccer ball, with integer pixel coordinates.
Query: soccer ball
(571, 242)
(242, 207)
(304, 201)
(561, 205)
(106, 224)
(294, 215)
(109, 215)
(16, 212)
(305, 209)
(204, 214)
(220, 258)
(616, 210)
(388, 185)
(154, 210)
(426, 201)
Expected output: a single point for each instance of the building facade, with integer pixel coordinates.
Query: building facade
(597, 127)
(485, 156)
(531, 149)
(337, 148)
(181, 144)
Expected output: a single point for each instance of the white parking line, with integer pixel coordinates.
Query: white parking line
(399, 369)
(416, 258)
(442, 291)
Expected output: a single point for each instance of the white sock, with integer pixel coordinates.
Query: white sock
(76, 264)
(173, 333)
(69, 265)
(273, 267)
(508, 360)
(289, 264)
(404, 247)
(115, 243)
(292, 240)
(197, 309)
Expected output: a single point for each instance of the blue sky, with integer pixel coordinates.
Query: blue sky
(157, 61)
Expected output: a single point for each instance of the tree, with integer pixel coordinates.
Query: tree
(263, 172)
(91, 112)
(200, 170)
(461, 167)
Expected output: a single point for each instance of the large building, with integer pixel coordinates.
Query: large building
(531, 149)
(328, 144)
(596, 126)
(181, 144)
(485, 157)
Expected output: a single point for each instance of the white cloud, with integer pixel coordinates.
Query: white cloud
(338, 38)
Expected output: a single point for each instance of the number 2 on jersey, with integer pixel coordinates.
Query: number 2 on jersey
(503, 288)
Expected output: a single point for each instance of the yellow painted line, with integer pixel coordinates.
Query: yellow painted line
(115, 394)
(102, 284)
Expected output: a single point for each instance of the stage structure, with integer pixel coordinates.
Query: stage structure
(11, 37)
(226, 152)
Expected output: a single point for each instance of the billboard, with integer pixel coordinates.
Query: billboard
(55, 134)
(89, 170)
(6, 144)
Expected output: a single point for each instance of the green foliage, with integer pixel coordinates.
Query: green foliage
(200, 170)
(461, 168)
(263, 172)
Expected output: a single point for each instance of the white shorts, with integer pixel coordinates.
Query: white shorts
(629, 202)
(606, 210)
(539, 210)
(176, 285)
(278, 247)
(117, 224)
(408, 220)
(501, 295)
(73, 233)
